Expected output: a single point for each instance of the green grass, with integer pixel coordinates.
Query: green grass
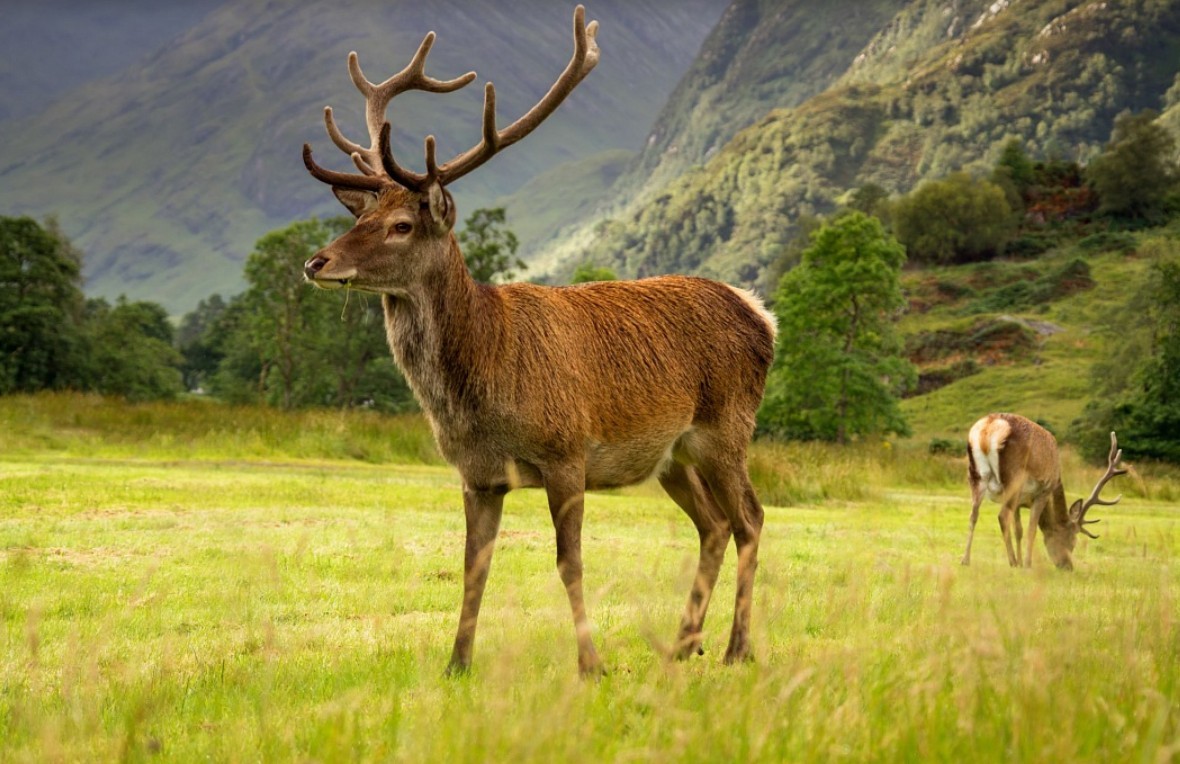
(276, 605)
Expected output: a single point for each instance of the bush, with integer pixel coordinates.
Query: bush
(946, 447)
(955, 220)
(1109, 241)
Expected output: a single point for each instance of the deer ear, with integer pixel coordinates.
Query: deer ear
(1075, 510)
(358, 202)
(441, 207)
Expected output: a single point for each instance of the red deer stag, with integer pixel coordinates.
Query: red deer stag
(565, 388)
(1013, 461)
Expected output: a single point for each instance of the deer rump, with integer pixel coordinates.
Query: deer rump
(629, 373)
(1000, 478)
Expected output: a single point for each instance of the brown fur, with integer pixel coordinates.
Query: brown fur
(571, 388)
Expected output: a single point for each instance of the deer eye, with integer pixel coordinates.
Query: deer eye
(402, 227)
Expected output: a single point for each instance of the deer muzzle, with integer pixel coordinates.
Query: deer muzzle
(313, 271)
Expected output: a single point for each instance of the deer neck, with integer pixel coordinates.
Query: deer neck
(1056, 513)
(445, 333)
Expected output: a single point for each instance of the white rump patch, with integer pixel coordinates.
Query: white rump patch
(987, 439)
(759, 307)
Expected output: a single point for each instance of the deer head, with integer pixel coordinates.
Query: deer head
(1060, 542)
(405, 218)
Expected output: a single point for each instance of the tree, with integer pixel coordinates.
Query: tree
(1138, 385)
(131, 351)
(285, 343)
(41, 307)
(1137, 171)
(839, 367)
(193, 338)
(956, 219)
(587, 272)
(488, 247)
(870, 199)
(1014, 173)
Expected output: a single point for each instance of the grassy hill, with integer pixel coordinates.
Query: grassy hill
(167, 172)
(1025, 350)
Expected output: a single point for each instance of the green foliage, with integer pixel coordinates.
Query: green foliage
(1015, 167)
(488, 247)
(131, 351)
(285, 343)
(588, 272)
(194, 339)
(945, 446)
(871, 199)
(1069, 278)
(41, 308)
(1109, 241)
(1139, 383)
(839, 367)
(1137, 171)
(51, 338)
(957, 219)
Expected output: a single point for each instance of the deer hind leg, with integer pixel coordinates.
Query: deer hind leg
(566, 492)
(684, 485)
(1006, 522)
(483, 510)
(729, 484)
(976, 500)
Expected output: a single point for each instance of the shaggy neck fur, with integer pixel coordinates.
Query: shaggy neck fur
(446, 337)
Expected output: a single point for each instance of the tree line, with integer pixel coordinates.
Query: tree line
(840, 369)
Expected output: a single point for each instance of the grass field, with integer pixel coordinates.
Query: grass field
(184, 581)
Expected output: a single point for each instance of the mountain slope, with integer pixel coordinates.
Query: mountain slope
(939, 88)
(166, 174)
(763, 54)
(48, 47)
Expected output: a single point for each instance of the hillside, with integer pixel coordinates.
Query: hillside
(762, 55)
(1020, 335)
(40, 61)
(166, 173)
(936, 89)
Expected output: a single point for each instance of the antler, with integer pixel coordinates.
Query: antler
(376, 163)
(1112, 470)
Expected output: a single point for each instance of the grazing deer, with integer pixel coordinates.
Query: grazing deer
(1013, 461)
(565, 388)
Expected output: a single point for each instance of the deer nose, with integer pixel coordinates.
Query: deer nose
(314, 266)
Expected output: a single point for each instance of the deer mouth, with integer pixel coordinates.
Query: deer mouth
(333, 280)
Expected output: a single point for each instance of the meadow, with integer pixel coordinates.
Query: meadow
(189, 581)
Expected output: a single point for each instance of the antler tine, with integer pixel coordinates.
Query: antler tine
(342, 179)
(1113, 470)
(401, 175)
(378, 158)
(584, 59)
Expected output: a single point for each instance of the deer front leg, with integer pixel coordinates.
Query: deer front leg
(483, 510)
(566, 493)
(1006, 521)
(1038, 506)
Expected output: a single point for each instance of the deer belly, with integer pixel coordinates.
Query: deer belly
(618, 464)
(1029, 491)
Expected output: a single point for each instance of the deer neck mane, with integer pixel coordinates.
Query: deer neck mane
(445, 333)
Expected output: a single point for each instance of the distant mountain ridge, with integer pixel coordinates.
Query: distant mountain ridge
(166, 173)
(938, 86)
